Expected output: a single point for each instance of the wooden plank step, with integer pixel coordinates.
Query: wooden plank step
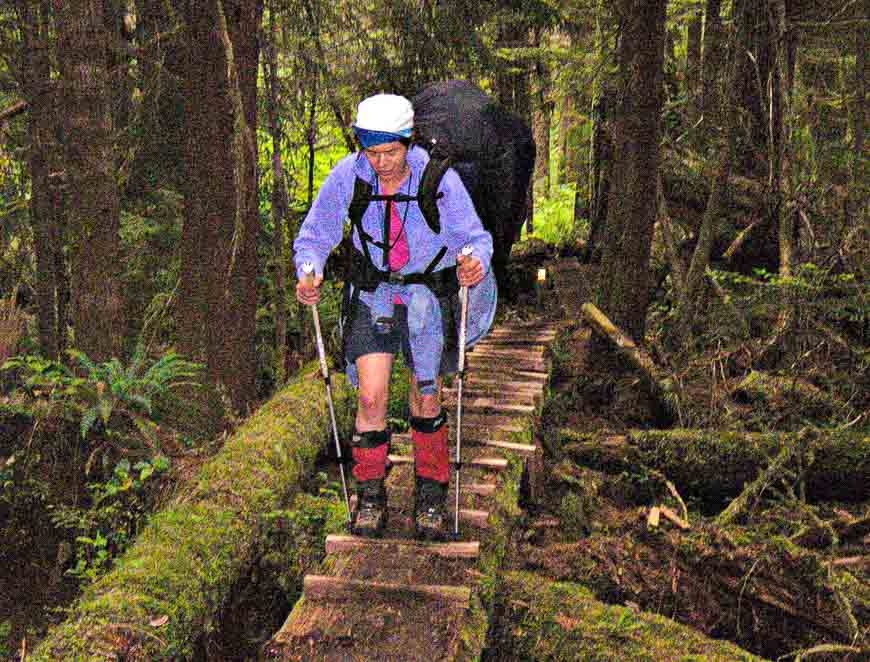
(404, 438)
(504, 370)
(475, 380)
(478, 518)
(321, 587)
(482, 489)
(455, 550)
(517, 365)
(494, 463)
(477, 399)
(504, 445)
(486, 346)
(507, 351)
(486, 405)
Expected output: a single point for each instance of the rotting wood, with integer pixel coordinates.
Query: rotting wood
(664, 395)
(461, 550)
(670, 515)
(321, 587)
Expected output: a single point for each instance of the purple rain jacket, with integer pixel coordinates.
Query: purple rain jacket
(321, 231)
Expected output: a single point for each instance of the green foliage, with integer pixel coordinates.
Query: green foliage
(5, 633)
(554, 218)
(117, 399)
(118, 507)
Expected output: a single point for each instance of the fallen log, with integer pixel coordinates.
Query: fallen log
(714, 466)
(771, 388)
(657, 383)
(164, 594)
(560, 621)
(704, 580)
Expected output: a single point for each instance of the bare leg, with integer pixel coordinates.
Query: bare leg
(424, 406)
(374, 382)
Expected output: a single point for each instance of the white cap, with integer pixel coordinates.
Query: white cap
(386, 113)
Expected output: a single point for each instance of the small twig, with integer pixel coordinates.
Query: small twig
(823, 648)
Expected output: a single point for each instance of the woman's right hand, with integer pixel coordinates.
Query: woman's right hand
(308, 290)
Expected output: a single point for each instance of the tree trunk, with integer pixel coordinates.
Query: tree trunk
(243, 21)
(209, 540)
(542, 120)
(753, 45)
(40, 95)
(623, 290)
(858, 187)
(159, 160)
(556, 615)
(217, 301)
(279, 201)
(210, 195)
(693, 68)
(712, 66)
(714, 466)
(94, 211)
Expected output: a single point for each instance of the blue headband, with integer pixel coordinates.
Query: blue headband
(368, 138)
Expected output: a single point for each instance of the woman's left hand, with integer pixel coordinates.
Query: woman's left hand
(469, 270)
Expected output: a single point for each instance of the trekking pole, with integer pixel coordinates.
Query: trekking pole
(308, 279)
(463, 318)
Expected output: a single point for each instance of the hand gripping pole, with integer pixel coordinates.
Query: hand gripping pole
(308, 279)
(463, 319)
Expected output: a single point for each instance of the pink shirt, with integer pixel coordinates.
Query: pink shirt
(399, 250)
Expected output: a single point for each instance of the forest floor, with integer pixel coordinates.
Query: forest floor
(698, 525)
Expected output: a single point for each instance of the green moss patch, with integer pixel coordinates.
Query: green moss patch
(559, 621)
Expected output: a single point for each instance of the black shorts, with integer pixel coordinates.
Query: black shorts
(363, 338)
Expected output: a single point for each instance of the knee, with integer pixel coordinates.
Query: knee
(372, 405)
(430, 405)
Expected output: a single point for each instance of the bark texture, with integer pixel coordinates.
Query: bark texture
(94, 208)
(623, 286)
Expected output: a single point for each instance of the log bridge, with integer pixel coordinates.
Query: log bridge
(394, 598)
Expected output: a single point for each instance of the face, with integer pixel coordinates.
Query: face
(387, 159)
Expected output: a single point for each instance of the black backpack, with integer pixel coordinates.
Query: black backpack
(490, 148)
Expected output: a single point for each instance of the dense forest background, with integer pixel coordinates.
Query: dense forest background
(704, 158)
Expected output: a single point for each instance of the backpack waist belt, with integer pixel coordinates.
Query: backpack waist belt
(365, 276)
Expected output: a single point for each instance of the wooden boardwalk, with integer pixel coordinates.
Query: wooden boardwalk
(395, 598)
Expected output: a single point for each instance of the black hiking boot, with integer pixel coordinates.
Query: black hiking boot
(430, 509)
(370, 517)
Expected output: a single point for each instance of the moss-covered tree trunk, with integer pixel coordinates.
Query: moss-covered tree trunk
(164, 595)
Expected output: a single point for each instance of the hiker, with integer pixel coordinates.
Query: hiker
(400, 294)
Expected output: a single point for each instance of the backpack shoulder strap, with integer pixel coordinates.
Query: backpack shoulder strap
(427, 195)
(362, 196)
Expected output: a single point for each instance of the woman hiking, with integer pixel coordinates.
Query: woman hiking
(400, 296)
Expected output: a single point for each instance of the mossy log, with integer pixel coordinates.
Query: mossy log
(727, 585)
(715, 465)
(770, 388)
(547, 620)
(165, 593)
